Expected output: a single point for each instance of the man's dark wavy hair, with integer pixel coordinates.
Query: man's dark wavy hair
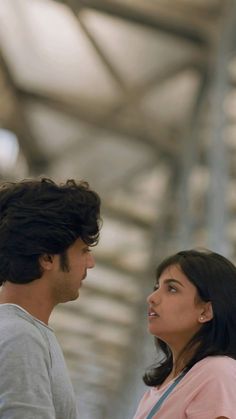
(41, 217)
(214, 276)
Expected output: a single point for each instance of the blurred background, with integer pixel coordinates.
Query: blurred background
(138, 97)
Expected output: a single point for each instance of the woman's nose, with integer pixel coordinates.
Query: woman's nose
(153, 298)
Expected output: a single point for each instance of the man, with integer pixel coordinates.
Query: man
(46, 231)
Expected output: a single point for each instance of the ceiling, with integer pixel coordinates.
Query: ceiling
(139, 99)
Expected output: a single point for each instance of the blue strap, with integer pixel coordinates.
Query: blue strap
(157, 406)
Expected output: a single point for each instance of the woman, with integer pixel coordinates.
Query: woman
(192, 314)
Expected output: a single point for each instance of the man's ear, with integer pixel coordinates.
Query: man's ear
(206, 313)
(46, 261)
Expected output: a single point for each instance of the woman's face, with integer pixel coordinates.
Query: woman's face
(175, 311)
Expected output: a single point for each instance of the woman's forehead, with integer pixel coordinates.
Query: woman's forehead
(175, 272)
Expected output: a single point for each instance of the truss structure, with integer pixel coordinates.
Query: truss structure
(138, 98)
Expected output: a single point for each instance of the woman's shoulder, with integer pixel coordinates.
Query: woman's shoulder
(213, 366)
(217, 361)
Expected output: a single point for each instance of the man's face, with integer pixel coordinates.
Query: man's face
(66, 283)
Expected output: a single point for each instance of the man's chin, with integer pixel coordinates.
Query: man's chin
(74, 296)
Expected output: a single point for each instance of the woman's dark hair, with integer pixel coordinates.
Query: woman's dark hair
(41, 217)
(214, 276)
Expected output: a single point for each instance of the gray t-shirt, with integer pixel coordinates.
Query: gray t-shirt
(34, 382)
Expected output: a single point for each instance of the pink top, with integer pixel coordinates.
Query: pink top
(207, 391)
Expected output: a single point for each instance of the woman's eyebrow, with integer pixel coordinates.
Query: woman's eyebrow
(169, 280)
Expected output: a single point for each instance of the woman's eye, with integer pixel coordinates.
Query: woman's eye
(172, 289)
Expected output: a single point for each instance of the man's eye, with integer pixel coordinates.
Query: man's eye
(156, 287)
(87, 250)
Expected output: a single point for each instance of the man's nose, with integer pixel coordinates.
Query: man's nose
(90, 261)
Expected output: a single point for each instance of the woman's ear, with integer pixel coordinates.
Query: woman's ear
(206, 313)
(46, 262)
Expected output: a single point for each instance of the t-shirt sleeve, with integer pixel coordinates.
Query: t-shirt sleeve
(216, 395)
(25, 385)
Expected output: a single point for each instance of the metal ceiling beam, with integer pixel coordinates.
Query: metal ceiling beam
(17, 122)
(197, 63)
(188, 160)
(124, 216)
(129, 94)
(132, 96)
(218, 215)
(166, 22)
(110, 262)
(104, 58)
(158, 137)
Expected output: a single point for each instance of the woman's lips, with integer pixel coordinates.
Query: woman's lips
(152, 313)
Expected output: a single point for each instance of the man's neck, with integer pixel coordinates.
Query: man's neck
(31, 297)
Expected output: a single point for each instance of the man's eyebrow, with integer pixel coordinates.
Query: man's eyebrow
(169, 280)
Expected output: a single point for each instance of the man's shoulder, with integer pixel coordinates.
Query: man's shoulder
(17, 326)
